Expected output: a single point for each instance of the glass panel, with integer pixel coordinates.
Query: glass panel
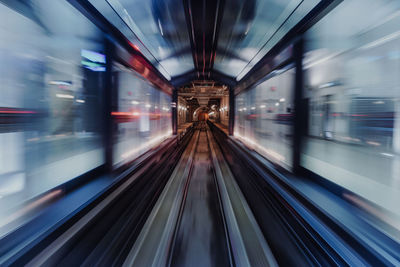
(161, 26)
(352, 85)
(51, 83)
(142, 116)
(250, 28)
(264, 117)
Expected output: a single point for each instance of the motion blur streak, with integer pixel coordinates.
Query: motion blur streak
(351, 102)
(42, 130)
(52, 76)
(31, 207)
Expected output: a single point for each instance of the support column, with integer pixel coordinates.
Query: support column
(231, 110)
(396, 127)
(174, 111)
(299, 115)
(110, 94)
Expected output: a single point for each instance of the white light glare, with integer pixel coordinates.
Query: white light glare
(64, 96)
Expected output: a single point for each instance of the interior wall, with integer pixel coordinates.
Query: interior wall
(224, 111)
(182, 110)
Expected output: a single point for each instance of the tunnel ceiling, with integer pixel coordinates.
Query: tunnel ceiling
(203, 92)
(204, 39)
(199, 88)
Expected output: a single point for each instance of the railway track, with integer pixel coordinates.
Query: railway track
(187, 214)
(201, 218)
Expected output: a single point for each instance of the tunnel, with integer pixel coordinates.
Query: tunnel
(199, 133)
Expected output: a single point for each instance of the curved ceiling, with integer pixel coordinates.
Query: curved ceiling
(204, 38)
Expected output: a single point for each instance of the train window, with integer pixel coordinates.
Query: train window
(352, 84)
(141, 115)
(51, 83)
(264, 117)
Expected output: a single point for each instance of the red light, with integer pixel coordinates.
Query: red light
(17, 111)
(135, 47)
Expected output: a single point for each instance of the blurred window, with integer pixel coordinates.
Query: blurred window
(264, 117)
(352, 90)
(142, 115)
(51, 84)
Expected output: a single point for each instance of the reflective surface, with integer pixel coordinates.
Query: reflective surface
(51, 106)
(247, 30)
(264, 117)
(161, 26)
(250, 28)
(142, 116)
(352, 90)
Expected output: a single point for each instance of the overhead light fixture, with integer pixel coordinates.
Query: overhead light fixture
(159, 26)
(66, 83)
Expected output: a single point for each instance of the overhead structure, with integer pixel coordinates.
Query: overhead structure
(204, 40)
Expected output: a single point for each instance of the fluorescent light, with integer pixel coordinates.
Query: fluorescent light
(93, 56)
(134, 102)
(282, 100)
(373, 143)
(64, 96)
(159, 25)
(66, 83)
(382, 40)
(148, 106)
(327, 85)
(80, 101)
